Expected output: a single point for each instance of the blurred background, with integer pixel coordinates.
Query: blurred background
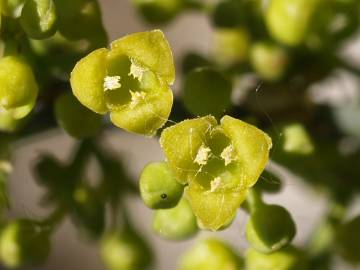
(191, 31)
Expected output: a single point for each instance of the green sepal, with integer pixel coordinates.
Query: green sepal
(214, 210)
(151, 50)
(87, 79)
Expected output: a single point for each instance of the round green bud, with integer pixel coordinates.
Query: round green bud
(177, 223)
(24, 242)
(79, 19)
(39, 19)
(270, 228)
(231, 45)
(158, 186)
(348, 240)
(77, 120)
(269, 60)
(125, 251)
(18, 88)
(290, 20)
(207, 91)
(12, 7)
(159, 11)
(288, 258)
(131, 81)
(210, 254)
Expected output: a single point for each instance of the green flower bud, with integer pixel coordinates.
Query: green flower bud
(177, 223)
(24, 242)
(88, 212)
(290, 20)
(159, 11)
(297, 140)
(125, 250)
(18, 88)
(288, 258)
(158, 186)
(80, 19)
(12, 7)
(207, 91)
(131, 81)
(231, 45)
(218, 162)
(38, 18)
(269, 60)
(270, 228)
(348, 240)
(210, 254)
(77, 120)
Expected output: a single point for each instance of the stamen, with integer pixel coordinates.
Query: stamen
(228, 154)
(202, 155)
(136, 97)
(112, 83)
(136, 70)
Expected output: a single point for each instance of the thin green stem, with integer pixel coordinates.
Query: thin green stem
(254, 200)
